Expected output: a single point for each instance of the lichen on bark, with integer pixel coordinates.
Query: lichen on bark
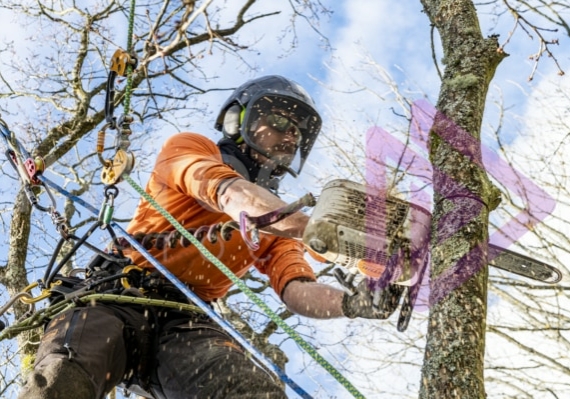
(463, 199)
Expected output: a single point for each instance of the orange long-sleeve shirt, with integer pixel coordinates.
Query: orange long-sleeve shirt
(185, 181)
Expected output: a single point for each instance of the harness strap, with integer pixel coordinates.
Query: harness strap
(198, 301)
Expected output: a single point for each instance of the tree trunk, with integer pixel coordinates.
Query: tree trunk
(14, 275)
(463, 199)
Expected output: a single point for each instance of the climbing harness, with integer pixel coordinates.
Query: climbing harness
(61, 286)
(38, 318)
(205, 307)
(62, 290)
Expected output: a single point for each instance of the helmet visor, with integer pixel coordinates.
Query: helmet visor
(282, 129)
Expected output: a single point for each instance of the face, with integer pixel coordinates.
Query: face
(277, 133)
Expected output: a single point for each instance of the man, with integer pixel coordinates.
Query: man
(269, 125)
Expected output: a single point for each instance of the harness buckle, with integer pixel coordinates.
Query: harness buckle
(125, 280)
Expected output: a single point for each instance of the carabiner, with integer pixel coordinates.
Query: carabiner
(108, 207)
(125, 280)
(46, 293)
(119, 66)
(11, 301)
(246, 225)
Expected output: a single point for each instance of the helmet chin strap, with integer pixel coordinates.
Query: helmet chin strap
(266, 177)
(271, 164)
(243, 163)
(267, 180)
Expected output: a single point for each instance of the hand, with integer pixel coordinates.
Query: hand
(361, 303)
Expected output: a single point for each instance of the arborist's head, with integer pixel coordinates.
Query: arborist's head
(275, 119)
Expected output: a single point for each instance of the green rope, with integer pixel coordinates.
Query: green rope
(246, 290)
(236, 280)
(129, 87)
(39, 318)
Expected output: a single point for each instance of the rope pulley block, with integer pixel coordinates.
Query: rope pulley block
(34, 167)
(27, 167)
(123, 161)
(120, 60)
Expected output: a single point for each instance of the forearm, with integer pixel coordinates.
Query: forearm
(242, 195)
(311, 299)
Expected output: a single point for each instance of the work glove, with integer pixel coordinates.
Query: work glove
(362, 302)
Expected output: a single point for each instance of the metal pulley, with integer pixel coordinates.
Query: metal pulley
(122, 163)
(21, 160)
(121, 60)
(33, 167)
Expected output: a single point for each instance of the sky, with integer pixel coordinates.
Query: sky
(373, 50)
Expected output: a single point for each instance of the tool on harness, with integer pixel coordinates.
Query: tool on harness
(123, 162)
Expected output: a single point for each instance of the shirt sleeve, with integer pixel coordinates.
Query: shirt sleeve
(283, 262)
(192, 164)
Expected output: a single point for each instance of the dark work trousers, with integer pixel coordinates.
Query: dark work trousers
(87, 351)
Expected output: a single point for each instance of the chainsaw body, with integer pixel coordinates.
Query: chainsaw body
(386, 239)
(356, 228)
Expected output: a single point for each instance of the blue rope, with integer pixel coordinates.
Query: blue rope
(183, 288)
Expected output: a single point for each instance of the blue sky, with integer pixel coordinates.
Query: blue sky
(375, 48)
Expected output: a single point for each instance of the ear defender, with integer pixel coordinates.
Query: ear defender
(232, 122)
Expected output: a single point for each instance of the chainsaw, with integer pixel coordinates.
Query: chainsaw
(386, 239)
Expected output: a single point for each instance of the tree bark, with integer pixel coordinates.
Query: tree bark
(14, 276)
(463, 199)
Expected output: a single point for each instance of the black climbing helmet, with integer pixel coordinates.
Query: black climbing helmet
(247, 103)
